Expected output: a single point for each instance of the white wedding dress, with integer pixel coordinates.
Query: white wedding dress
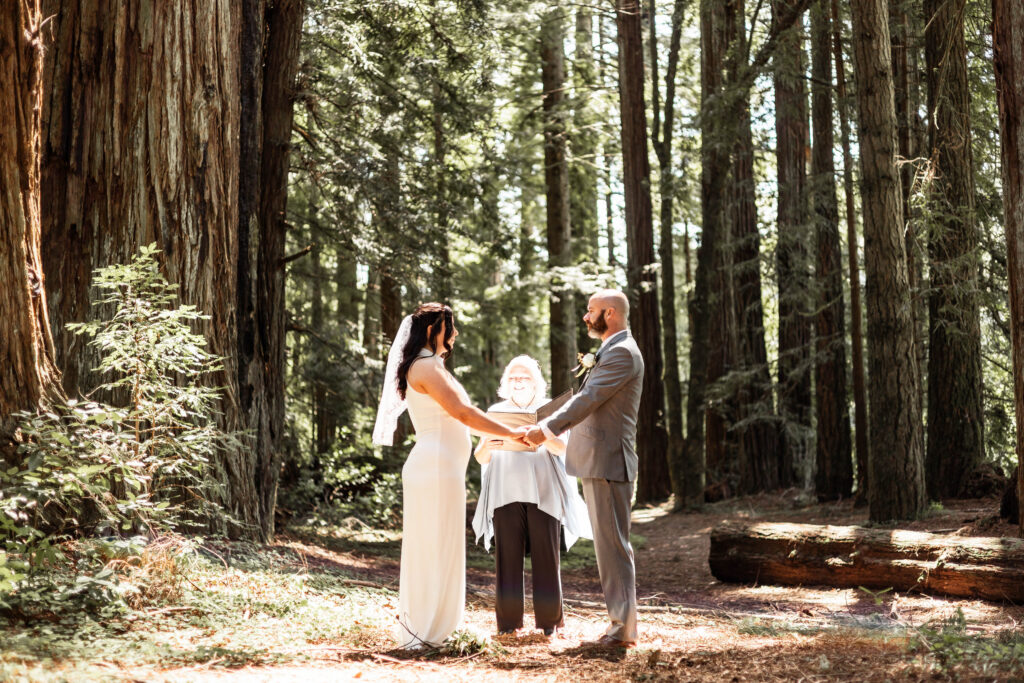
(432, 584)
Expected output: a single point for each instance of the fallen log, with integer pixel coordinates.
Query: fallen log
(851, 557)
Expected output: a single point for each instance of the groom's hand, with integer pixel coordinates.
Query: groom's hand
(535, 437)
(519, 434)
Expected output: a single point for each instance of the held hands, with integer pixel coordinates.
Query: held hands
(519, 434)
(534, 437)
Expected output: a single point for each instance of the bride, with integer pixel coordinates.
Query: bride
(432, 582)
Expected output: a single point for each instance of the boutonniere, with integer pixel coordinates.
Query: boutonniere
(586, 363)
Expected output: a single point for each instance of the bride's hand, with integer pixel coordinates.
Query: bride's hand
(519, 434)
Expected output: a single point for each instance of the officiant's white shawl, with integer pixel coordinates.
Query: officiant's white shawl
(529, 477)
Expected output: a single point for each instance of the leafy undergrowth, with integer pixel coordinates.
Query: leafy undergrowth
(319, 605)
(233, 605)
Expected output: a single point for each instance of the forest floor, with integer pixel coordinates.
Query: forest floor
(319, 604)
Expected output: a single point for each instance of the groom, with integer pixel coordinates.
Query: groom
(602, 453)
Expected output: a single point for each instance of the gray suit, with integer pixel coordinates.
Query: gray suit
(602, 452)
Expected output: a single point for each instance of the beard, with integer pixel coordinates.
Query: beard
(523, 397)
(597, 327)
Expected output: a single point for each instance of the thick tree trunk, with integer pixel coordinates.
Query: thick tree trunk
(653, 475)
(689, 478)
(1008, 37)
(956, 434)
(556, 180)
(834, 476)
(721, 451)
(267, 395)
(663, 148)
(758, 436)
(28, 375)
(721, 112)
(792, 258)
(860, 404)
(896, 467)
(854, 557)
(154, 131)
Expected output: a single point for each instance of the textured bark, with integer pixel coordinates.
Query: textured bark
(154, 132)
(267, 395)
(956, 434)
(854, 557)
(653, 475)
(721, 452)
(834, 476)
(792, 258)
(583, 165)
(896, 468)
(556, 179)
(721, 111)
(662, 143)
(860, 404)
(1008, 44)
(689, 479)
(28, 375)
(757, 433)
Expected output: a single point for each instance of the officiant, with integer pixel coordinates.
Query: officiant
(526, 498)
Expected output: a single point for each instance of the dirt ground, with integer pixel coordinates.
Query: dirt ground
(693, 627)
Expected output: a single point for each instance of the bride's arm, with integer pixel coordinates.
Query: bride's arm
(430, 379)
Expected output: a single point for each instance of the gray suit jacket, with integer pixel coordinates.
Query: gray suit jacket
(602, 415)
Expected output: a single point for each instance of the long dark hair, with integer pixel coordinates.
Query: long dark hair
(425, 321)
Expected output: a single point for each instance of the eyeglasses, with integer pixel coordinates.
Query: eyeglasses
(520, 378)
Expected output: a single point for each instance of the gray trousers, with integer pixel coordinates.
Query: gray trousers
(608, 503)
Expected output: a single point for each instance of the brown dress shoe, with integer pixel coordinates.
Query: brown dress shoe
(607, 641)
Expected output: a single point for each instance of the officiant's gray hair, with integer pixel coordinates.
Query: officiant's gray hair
(531, 366)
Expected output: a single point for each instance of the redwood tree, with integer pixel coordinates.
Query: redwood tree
(896, 467)
(956, 434)
(653, 480)
(834, 477)
(792, 259)
(556, 180)
(1008, 36)
(172, 124)
(28, 375)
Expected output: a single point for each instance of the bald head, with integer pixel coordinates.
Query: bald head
(607, 313)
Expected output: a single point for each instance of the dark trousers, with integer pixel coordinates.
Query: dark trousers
(518, 526)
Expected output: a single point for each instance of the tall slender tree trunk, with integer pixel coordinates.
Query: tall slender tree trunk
(663, 148)
(653, 479)
(323, 428)
(896, 468)
(860, 404)
(28, 375)
(755, 401)
(1007, 39)
(834, 477)
(265, 406)
(583, 167)
(721, 452)
(792, 259)
(442, 285)
(556, 180)
(371, 314)
(956, 433)
(689, 479)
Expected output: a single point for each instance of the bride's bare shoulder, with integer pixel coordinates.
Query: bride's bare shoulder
(423, 369)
